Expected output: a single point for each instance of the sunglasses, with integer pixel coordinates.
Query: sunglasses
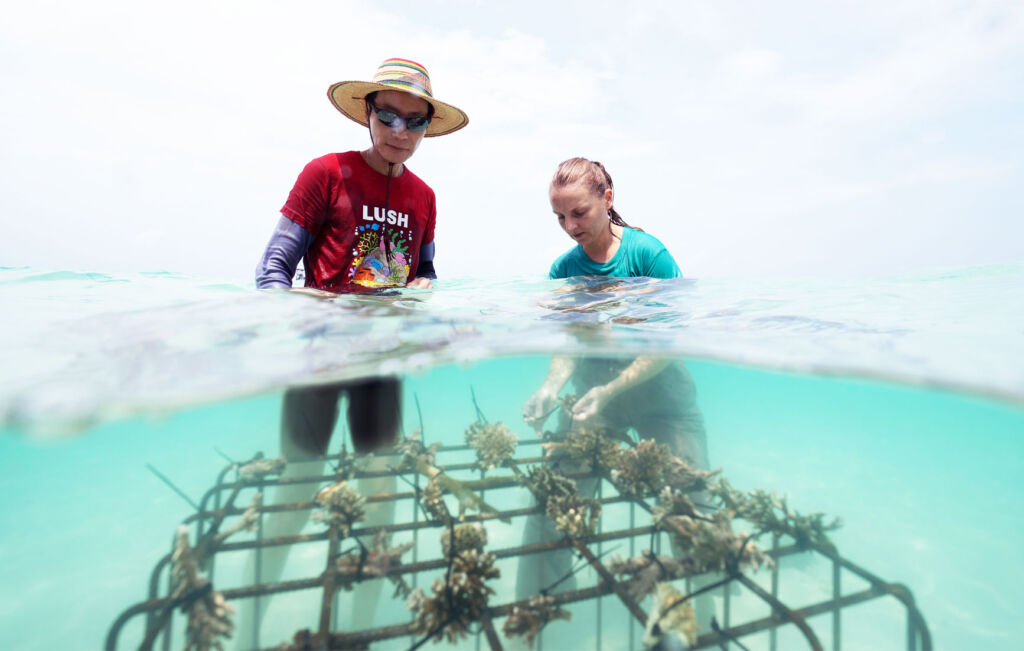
(390, 118)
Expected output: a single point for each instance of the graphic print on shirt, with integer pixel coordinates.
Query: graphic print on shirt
(372, 266)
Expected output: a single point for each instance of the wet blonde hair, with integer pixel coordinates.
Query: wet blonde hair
(595, 176)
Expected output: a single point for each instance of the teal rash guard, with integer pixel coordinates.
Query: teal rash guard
(639, 254)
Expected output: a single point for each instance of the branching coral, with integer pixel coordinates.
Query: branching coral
(672, 502)
(641, 470)
(712, 544)
(353, 567)
(544, 483)
(573, 515)
(433, 501)
(494, 443)
(588, 448)
(348, 463)
(467, 537)
(650, 466)
(458, 602)
(769, 513)
(463, 491)
(391, 557)
(527, 621)
(259, 468)
(671, 615)
(647, 570)
(340, 505)
(248, 521)
(416, 455)
(422, 460)
(684, 477)
(208, 612)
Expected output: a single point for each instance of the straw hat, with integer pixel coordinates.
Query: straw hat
(404, 75)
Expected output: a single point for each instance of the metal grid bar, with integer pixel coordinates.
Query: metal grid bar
(157, 610)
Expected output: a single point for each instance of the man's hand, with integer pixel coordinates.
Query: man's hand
(420, 283)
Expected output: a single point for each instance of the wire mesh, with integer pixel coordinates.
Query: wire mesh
(220, 505)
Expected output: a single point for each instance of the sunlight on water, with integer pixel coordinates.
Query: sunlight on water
(85, 347)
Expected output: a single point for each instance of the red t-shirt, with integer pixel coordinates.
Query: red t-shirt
(339, 198)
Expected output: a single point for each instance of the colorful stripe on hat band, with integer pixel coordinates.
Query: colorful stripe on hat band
(407, 63)
(405, 85)
(405, 73)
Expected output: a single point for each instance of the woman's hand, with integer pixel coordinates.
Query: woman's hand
(591, 404)
(420, 283)
(594, 401)
(542, 403)
(539, 407)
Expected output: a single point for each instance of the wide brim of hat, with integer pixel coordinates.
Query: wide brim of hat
(349, 97)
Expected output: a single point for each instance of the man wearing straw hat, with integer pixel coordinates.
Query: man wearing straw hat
(361, 218)
(359, 221)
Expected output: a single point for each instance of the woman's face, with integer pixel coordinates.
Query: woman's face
(396, 144)
(581, 213)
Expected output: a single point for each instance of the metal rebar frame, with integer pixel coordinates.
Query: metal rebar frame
(214, 508)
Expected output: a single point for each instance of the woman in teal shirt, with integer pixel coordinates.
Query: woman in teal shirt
(582, 197)
(655, 397)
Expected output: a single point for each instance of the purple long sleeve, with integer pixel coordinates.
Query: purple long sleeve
(425, 269)
(286, 247)
(289, 243)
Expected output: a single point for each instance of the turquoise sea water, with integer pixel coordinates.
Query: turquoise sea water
(896, 404)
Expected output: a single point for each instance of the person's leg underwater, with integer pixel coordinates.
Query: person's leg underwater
(308, 417)
(535, 572)
(374, 420)
(668, 413)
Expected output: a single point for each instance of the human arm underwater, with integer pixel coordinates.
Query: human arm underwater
(638, 372)
(542, 403)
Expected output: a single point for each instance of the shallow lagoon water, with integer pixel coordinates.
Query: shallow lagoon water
(894, 404)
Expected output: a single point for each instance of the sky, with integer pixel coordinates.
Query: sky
(791, 138)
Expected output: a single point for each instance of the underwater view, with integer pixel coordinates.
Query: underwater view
(817, 463)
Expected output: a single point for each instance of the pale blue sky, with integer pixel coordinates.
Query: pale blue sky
(784, 138)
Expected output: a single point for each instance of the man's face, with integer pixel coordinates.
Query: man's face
(396, 144)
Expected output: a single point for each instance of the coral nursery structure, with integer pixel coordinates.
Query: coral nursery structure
(689, 533)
